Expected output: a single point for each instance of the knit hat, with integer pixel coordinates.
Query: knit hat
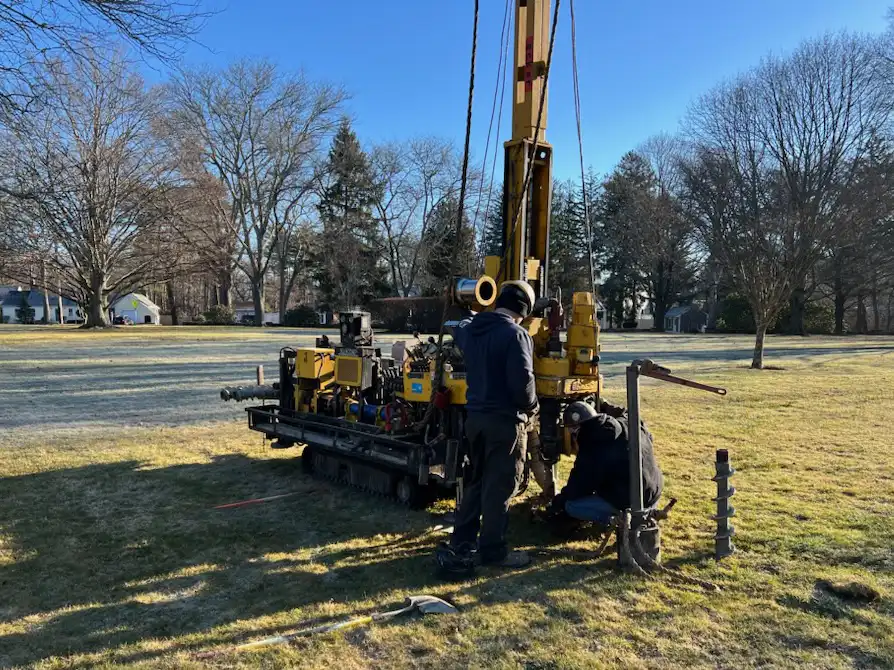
(516, 296)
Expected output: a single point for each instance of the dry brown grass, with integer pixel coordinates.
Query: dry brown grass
(110, 553)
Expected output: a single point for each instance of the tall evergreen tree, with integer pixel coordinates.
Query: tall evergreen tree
(568, 264)
(491, 243)
(445, 253)
(623, 203)
(349, 271)
(645, 240)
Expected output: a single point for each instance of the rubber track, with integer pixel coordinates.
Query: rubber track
(355, 475)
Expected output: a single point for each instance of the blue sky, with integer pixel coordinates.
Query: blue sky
(405, 62)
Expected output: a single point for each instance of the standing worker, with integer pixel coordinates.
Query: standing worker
(500, 402)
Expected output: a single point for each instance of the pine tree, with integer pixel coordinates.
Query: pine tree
(645, 240)
(568, 264)
(491, 243)
(623, 205)
(349, 270)
(445, 253)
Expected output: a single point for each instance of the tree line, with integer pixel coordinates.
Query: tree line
(773, 205)
(248, 182)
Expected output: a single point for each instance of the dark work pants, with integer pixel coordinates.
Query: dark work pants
(497, 454)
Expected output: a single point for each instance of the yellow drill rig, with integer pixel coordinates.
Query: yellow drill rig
(392, 423)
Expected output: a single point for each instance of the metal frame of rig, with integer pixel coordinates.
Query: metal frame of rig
(394, 424)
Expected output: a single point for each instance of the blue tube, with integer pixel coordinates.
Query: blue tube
(369, 413)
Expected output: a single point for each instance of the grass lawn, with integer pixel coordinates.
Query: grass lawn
(111, 553)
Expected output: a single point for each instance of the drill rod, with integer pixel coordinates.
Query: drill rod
(684, 382)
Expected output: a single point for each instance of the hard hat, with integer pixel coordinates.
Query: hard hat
(578, 412)
(516, 296)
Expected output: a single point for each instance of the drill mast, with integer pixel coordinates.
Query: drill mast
(528, 157)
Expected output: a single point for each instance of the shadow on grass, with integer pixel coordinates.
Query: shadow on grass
(828, 606)
(824, 604)
(112, 554)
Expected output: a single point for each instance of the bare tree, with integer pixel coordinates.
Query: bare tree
(781, 144)
(258, 132)
(412, 180)
(202, 220)
(31, 32)
(817, 110)
(95, 178)
(292, 256)
(727, 196)
(195, 246)
(859, 260)
(728, 186)
(395, 208)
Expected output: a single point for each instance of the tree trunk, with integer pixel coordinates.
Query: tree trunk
(284, 290)
(172, 300)
(59, 302)
(713, 298)
(658, 314)
(862, 325)
(757, 361)
(257, 294)
(798, 304)
(46, 293)
(96, 308)
(873, 296)
(224, 288)
(283, 303)
(840, 304)
(890, 315)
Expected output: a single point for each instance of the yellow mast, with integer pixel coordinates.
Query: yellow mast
(526, 214)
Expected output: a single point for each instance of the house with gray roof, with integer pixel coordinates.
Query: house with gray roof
(26, 306)
(685, 319)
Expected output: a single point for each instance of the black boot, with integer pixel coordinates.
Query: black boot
(455, 563)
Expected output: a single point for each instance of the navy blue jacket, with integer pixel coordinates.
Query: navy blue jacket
(602, 466)
(499, 358)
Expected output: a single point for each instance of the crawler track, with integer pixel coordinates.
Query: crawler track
(365, 477)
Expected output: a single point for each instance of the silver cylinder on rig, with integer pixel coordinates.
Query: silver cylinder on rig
(475, 293)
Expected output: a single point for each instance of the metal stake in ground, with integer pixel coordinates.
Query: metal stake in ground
(723, 540)
(634, 445)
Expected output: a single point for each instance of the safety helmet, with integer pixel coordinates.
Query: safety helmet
(578, 412)
(516, 296)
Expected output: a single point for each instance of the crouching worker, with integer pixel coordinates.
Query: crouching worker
(599, 483)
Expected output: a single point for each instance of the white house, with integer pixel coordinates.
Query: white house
(26, 306)
(245, 313)
(4, 290)
(138, 308)
(645, 319)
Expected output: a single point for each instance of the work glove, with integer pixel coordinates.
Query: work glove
(542, 303)
(531, 414)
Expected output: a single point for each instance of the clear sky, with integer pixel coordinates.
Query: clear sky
(405, 62)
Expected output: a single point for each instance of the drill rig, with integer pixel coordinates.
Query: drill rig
(392, 423)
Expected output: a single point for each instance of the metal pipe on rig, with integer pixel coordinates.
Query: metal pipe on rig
(475, 293)
(242, 393)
